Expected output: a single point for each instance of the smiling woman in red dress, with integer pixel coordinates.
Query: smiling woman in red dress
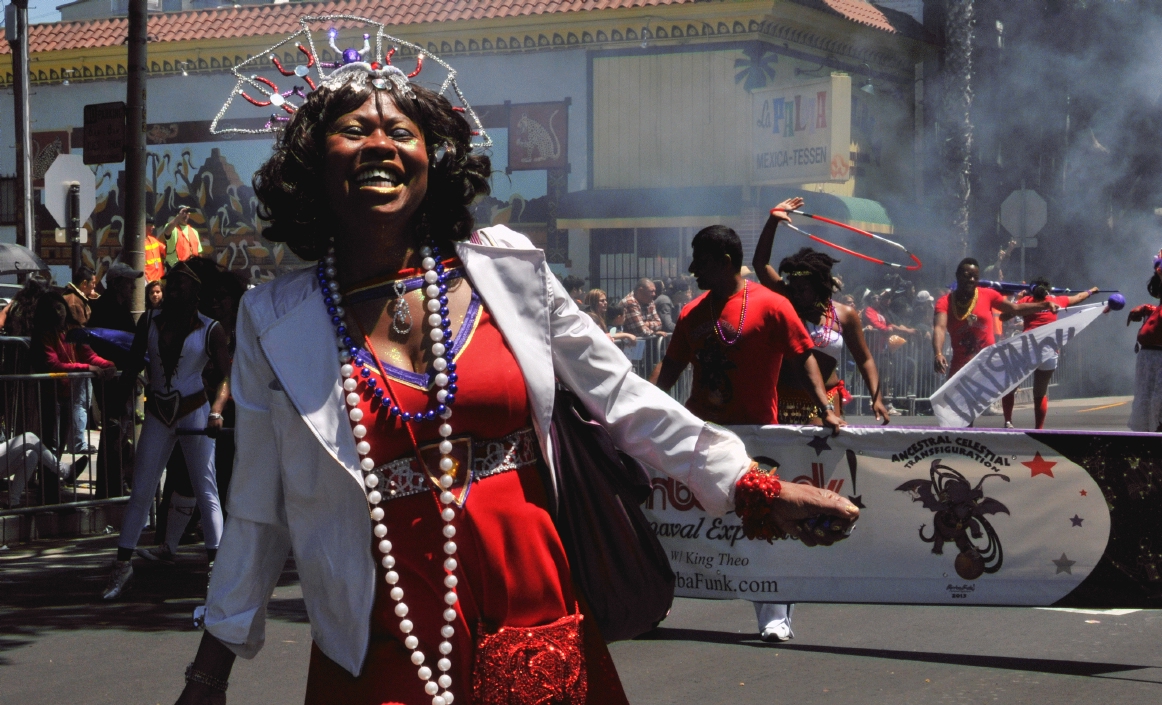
(402, 467)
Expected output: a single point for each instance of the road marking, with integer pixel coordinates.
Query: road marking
(1110, 612)
(1099, 408)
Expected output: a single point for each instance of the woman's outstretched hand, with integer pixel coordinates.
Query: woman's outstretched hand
(782, 212)
(802, 511)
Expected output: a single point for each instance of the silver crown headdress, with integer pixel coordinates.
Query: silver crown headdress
(350, 66)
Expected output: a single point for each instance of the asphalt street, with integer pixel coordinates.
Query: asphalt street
(59, 643)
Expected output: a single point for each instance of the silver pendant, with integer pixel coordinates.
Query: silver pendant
(402, 316)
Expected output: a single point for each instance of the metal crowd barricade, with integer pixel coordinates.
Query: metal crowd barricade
(46, 459)
(909, 377)
(647, 353)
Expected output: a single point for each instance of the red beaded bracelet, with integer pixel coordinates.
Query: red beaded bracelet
(754, 494)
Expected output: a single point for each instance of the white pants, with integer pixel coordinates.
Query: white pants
(1146, 413)
(19, 457)
(771, 614)
(153, 450)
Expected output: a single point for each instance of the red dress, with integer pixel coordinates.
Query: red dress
(513, 570)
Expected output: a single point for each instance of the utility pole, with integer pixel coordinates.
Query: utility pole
(16, 30)
(133, 242)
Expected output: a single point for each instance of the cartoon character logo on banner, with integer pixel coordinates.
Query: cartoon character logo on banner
(960, 511)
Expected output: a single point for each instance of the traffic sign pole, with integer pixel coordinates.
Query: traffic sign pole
(74, 224)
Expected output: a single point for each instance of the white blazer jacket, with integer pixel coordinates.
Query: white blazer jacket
(296, 482)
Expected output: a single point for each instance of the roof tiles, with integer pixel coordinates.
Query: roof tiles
(282, 19)
(264, 20)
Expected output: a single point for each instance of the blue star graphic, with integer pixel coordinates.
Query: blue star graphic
(1076, 520)
(819, 443)
(1064, 565)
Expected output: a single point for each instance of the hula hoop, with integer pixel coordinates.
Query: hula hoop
(907, 267)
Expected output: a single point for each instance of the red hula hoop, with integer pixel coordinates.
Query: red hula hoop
(868, 258)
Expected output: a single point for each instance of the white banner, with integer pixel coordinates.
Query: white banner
(1001, 367)
(947, 517)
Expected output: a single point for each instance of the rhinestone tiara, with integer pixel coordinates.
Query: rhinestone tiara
(359, 66)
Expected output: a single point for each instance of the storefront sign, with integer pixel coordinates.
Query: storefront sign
(802, 134)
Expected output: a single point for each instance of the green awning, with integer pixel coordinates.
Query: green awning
(701, 206)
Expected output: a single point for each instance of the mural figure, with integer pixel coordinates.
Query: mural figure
(222, 205)
(960, 517)
(533, 137)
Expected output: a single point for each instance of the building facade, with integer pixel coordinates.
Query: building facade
(620, 128)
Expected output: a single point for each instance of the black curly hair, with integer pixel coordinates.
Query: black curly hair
(290, 184)
(816, 267)
(1039, 288)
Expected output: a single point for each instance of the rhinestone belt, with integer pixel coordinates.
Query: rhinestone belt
(405, 477)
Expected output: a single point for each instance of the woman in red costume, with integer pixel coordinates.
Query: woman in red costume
(1146, 414)
(808, 283)
(393, 408)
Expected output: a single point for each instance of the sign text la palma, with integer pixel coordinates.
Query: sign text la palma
(802, 134)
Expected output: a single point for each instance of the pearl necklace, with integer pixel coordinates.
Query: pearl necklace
(353, 370)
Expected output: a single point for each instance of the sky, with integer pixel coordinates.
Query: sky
(44, 11)
(41, 11)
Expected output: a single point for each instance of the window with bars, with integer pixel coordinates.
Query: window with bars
(618, 257)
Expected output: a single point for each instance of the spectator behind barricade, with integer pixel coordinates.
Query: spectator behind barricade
(114, 310)
(899, 313)
(681, 291)
(664, 305)
(80, 294)
(19, 458)
(615, 326)
(16, 319)
(641, 317)
(52, 353)
(870, 313)
(597, 305)
(922, 310)
(575, 285)
(153, 295)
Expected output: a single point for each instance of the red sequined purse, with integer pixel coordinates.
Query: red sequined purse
(542, 665)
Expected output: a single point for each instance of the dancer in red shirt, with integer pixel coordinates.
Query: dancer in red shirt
(1146, 414)
(966, 315)
(1044, 372)
(737, 336)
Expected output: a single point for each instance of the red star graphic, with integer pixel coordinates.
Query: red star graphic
(1084, 493)
(1039, 466)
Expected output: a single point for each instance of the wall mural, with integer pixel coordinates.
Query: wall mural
(213, 178)
(217, 190)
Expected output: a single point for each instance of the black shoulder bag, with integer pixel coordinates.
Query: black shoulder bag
(616, 560)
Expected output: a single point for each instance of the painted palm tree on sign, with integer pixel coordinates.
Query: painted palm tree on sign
(757, 68)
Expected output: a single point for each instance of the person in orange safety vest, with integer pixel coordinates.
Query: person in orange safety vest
(181, 240)
(154, 255)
